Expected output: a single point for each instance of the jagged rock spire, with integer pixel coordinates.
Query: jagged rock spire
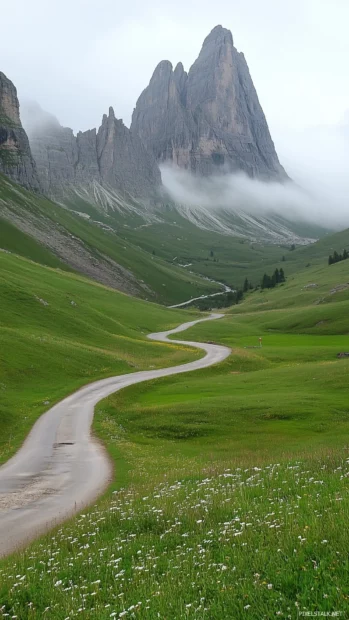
(210, 120)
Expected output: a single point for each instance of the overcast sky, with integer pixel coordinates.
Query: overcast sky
(78, 57)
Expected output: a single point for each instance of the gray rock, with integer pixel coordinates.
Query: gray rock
(113, 158)
(123, 160)
(54, 149)
(161, 118)
(16, 160)
(209, 121)
(86, 157)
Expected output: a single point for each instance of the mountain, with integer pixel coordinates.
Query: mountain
(92, 163)
(107, 218)
(16, 160)
(207, 121)
(210, 120)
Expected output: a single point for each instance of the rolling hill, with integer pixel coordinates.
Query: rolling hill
(245, 505)
(39, 229)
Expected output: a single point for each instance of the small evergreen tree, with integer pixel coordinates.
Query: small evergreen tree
(246, 286)
(282, 276)
(265, 281)
(336, 258)
(239, 295)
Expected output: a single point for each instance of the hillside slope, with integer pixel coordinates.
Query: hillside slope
(59, 331)
(243, 511)
(56, 236)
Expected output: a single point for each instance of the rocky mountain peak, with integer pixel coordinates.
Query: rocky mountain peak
(16, 160)
(218, 36)
(208, 121)
(112, 158)
(179, 69)
(9, 104)
(180, 78)
(164, 68)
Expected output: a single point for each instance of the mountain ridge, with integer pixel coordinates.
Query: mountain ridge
(111, 157)
(106, 189)
(209, 120)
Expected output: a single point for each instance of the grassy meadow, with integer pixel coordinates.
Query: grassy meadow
(155, 251)
(230, 497)
(167, 283)
(59, 331)
(249, 542)
(230, 259)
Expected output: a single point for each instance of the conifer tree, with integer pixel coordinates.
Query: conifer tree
(265, 281)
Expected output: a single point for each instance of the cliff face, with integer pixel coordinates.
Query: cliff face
(210, 120)
(16, 160)
(161, 118)
(113, 157)
(124, 161)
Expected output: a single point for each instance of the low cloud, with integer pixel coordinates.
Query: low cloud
(318, 162)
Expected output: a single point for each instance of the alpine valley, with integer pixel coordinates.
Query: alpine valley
(214, 482)
(98, 202)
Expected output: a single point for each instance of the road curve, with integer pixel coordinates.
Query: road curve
(60, 467)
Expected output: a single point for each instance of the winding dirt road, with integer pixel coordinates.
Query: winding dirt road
(61, 468)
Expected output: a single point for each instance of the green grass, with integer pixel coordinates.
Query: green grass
(14, 240)
(179, 241)
(230, 497)
(233, 258)
(315, 287)
(261, 542)
(59, 331)
(266, 539)
(166, 283)
(154, 251)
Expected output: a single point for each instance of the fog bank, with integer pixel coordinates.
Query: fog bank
(317, 160)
